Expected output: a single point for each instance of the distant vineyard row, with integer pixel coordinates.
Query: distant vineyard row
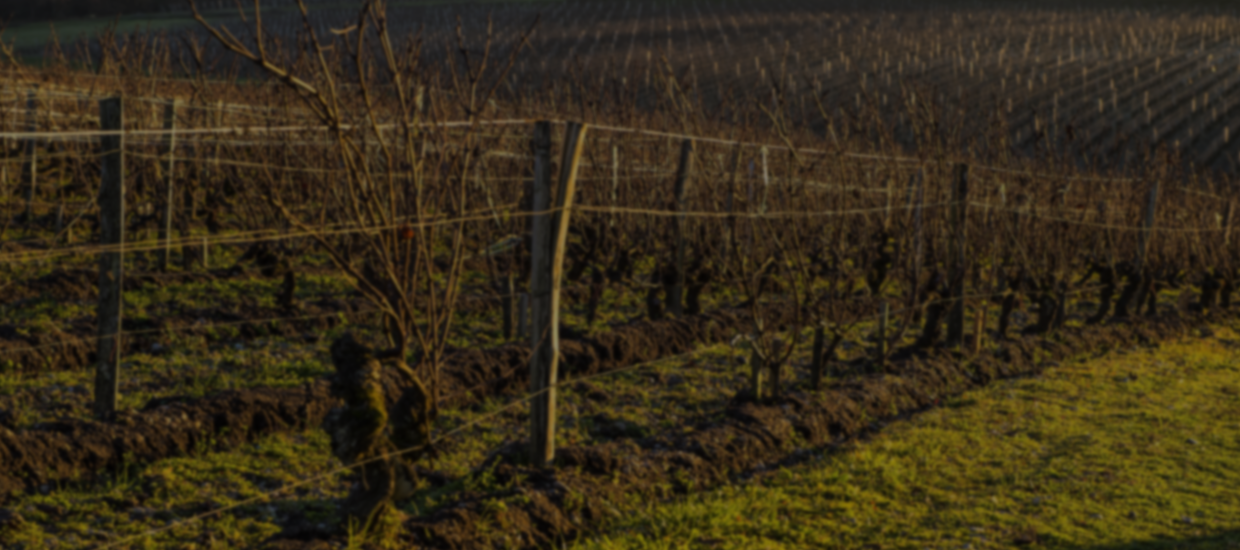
(1098, 87)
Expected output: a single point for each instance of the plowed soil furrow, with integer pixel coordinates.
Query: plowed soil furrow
(590, 483)
(81, 449)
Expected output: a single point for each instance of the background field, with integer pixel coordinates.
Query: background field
(856, 275)
(1103, 82)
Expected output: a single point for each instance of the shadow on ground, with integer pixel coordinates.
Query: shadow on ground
(1227, 539)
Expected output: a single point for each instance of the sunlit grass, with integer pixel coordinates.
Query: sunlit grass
(1134, 450)
(132, 504)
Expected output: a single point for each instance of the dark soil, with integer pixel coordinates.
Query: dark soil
(67, 450)
(589, 483)
(580, 492)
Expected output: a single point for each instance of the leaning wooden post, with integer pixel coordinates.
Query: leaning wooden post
(959, 218)
(32, 155)
(111, 266)
(170, 145)
(550, 236)
(676, 300)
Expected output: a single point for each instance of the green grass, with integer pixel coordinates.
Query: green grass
(1135, 450)
(1094, 454)
(156, 496)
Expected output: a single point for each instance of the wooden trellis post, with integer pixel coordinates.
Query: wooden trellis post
(615, 184)
(549, 239)
(170, 145)
(817, 361)
(111, 260)
(676, 299)
(1231, 209)
(32, 154)
(959, 219)
(766, 180)
(1151, 209)
(1147, 234)
(884, 319)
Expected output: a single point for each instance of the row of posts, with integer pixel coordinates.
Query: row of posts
(549, 230)
(30, 177)
(111, 206)
(550, 227)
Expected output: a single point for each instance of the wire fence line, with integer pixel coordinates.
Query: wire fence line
(262, 235)
(510, 211)
(656, 134)
(248, 130)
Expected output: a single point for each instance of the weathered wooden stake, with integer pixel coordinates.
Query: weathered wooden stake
(979, 328)
(615, 183)
(676, 300)
(1151, 209)
(32, 155)
(766, 181)
(959, 218)
(756, 366)
(889, 186)
(170, 144)
(550, 235)
(918, 237)
(1231, 211)
(816, 358)
(111, 266)
(883, 320)
(540, 290)
(729, 205)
